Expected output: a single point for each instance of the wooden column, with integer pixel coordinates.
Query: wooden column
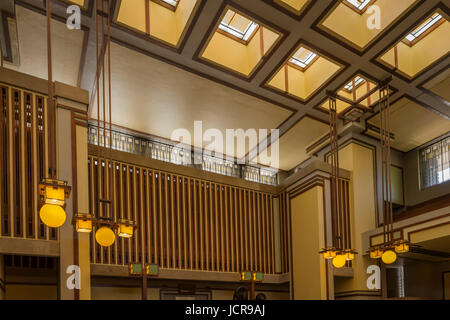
(2, 278)
(72, 166)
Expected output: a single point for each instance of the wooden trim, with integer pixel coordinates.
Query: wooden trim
(285, 61)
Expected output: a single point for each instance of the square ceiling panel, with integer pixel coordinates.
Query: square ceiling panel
(294, 142)
(165, 21)
(347, 21)
(358, 92)
(420, 48)
(303, 73)
(412, 124)
(238, 43)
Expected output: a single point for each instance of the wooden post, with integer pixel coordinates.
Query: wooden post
(144, 283)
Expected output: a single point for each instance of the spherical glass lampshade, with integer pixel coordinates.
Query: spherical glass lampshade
(105, 236)
(52, 215)
(389, 257)
(339, 260)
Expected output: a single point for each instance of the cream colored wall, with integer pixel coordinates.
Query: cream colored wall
(31, 292)
(359, 161)
(308, 268)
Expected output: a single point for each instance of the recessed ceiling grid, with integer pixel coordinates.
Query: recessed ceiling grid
(297, 29)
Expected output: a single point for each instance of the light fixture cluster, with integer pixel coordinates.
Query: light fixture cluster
(106, 228)
(340, 253)
(338, 256)
(388, 250)
(53, 194)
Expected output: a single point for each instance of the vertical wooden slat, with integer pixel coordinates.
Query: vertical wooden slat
(201, 193)
(5, 162)
(17, 164)
(179, 196)
(216, 223)
(221, 226)
(155, 220)
(236, 229)
(207, 225)
(161, 215)
(195, 221)
(211, 223)
(227, 230)
(172, 224)
(116, 203)
(166, 218)
(272, 236)
(191, 236)
(258, 228)
(185, 240)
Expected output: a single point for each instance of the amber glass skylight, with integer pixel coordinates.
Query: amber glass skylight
(425, 27)
(303, 58)
(238, 26)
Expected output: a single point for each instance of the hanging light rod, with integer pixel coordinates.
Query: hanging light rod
(52, 192)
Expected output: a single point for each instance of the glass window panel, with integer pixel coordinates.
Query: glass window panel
(434, 163)
(426, 25)
(358, 80)
(173, 3)
(303, 57)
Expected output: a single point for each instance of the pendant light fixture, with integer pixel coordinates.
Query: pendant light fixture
(106, 226)
(340, 251)
(389, 249)
(52, 191)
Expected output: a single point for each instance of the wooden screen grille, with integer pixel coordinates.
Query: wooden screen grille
(23, 163)
(183, 222)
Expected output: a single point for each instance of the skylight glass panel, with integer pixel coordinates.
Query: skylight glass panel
(359, 4)
(238, 26)
(303, 57)
(358, 80)
(435, 18)
(173, 3)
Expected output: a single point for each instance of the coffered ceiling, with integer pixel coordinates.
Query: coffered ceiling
(168, 61)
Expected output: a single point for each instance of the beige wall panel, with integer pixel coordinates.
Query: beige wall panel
(122, 293)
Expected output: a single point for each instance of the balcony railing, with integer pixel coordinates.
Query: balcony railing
(158, 150)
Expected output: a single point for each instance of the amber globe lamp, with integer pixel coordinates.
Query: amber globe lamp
(105, 236)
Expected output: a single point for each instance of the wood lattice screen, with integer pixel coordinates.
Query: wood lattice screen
(184, 223)
(23, 162)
